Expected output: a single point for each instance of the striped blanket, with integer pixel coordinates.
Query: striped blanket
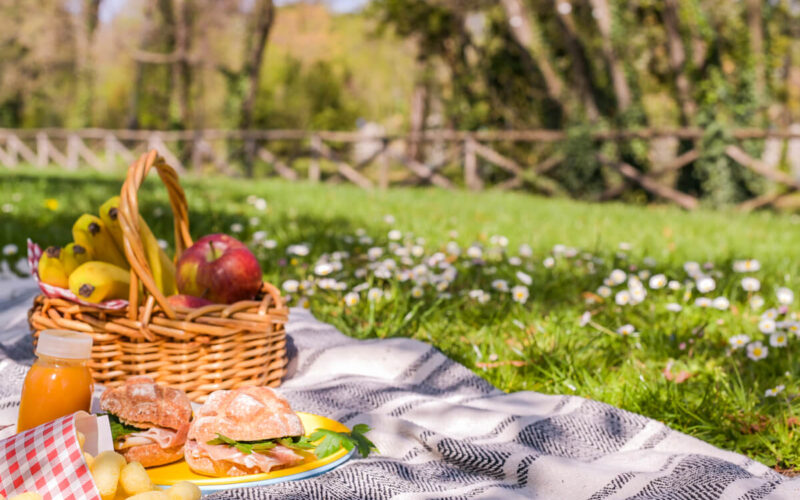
(444, 432)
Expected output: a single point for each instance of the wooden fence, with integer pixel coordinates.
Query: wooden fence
(522, 159)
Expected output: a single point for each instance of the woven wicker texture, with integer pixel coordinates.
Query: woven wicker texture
(219, 346)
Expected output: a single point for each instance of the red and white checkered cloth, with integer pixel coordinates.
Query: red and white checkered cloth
(48, 460)
(34, 254)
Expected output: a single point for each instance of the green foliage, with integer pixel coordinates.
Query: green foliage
(313, 97)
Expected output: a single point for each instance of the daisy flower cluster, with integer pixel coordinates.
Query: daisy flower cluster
(737, 296)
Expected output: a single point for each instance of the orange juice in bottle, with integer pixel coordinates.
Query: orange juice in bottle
(59, 382)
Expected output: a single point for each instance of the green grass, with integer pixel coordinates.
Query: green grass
(722, 401)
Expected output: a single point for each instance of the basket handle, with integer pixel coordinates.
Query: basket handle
(129, 223)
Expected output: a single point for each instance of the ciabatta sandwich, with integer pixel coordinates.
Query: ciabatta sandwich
(244, 431)
(149, 422)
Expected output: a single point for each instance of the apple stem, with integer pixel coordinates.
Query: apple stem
(213, 250)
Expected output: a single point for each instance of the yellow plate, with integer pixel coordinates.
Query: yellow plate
(167, 475)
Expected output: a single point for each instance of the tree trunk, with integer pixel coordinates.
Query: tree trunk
(264, 12)
(579, 68)
(754, 24)
(525, 30)
(86, 25)
(419, 107)
(622, 91)
(182, 72)
(677, 61)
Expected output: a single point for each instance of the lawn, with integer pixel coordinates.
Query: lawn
(435, 265)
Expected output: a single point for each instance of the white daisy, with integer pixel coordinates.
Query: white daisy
(750, 284)
(515, 261)
(395, 235)
(300, 250)
(623, 297)
(785, 296)
(674, 307)
(638, 295)
(625, 246)
(756, 302)
(236, 227)
(691, 268)
(746, 266)
(7, 208)
(520, 294)
(738, 341)
(323, 269)
(549, 262)
(721, 303)
(617, 276)
(525, 251)
(706, 284)
(604, 291)
(417, 292)
(766, 325)
(627, 331)
(674, 285)
(757, 351)
(777, 339)
(500, 285)
(291, 286)
(524, 278)
(658, 281)
(417, 251)
(254, 221)
(260, 204)
(10, 249)
(374, 294)
(771, 313)
(702, 302)
(374, 253)
(474, 252)
(771, 393)
(453, 249)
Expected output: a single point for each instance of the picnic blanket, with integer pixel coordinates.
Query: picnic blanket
(444, 432)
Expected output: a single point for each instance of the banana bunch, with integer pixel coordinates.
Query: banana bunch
(94, 266)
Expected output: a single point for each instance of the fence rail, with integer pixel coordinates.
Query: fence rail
(505, 159)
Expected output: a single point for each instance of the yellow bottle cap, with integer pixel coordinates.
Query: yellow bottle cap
(64, 344)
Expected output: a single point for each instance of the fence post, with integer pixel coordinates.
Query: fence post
(72, 152)
(471, 177)
(313, 168)
(383, 166)
(42, 149)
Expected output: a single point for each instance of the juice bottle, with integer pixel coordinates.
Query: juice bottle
(59, 382)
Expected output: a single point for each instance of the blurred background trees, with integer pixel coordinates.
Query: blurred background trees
(578, 65)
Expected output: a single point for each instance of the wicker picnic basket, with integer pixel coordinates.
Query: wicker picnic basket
(220, 346)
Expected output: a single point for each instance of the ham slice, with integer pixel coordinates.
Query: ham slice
(259, 462)
(165, 438)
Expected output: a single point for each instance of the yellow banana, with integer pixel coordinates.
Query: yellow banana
(90, 233)
(51, 268)
(96, 281)
(108, 214)
(161, 265)
(73, 255)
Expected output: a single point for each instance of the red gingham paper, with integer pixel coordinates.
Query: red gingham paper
(34, 254)
(48, 460)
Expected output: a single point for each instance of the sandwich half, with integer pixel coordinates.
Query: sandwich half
(245, 431)
(149, 422)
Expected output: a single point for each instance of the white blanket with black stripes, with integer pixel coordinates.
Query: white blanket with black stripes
(443, 432)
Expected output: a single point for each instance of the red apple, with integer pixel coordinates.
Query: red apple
(188, 301)
(219, 268)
